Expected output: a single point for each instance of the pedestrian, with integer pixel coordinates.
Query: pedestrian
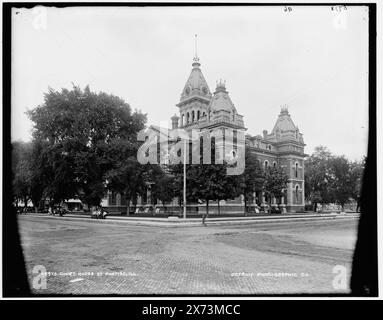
(204, 216)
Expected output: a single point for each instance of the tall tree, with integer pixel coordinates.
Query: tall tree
(230, 187)
(80, 128)
(253, 178)
(357, 170)
(176, 172)
(275, 181)
(210, 182)
(127, 178)
(318, 177)
(207, 182)
(40, 172)
(344, 180)
(164, 187)
(60, 174)
(21, 173)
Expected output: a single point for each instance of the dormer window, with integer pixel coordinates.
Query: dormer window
(187, 90)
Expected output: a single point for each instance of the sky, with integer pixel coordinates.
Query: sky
(313, 59)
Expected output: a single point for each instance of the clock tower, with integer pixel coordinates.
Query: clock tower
(195, 98)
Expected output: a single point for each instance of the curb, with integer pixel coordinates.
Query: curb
(197, 221)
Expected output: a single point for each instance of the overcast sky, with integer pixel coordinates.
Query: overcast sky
(312, 58)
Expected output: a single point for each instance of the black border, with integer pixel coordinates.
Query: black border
(15, 282)
(364, 279)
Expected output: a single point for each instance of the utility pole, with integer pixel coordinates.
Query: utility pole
(185, 178)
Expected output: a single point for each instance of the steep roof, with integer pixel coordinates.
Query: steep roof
(221, 100)
(196, 84)
(284, 122)
(284, 129)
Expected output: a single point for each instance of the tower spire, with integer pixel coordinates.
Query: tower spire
(195, 45)
(196, 63)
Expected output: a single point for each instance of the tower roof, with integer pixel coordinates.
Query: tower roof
(284, 122)
(196, 84)
(284, 129)
(221, 100)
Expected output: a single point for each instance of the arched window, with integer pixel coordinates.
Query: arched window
(198, 114)
(266, 165)
(193, 116)
(188, 117)
(296, 170)
(274, 164)
(296, 194)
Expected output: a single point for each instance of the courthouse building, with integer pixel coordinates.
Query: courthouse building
(200, 108)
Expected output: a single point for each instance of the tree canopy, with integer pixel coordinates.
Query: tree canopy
(83, 133)
(21, 171)
(253, 177)
(330, 178)
(275, 181)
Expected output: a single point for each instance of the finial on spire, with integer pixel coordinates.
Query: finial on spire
(195, 59)
(195, 43)
(285, 109)
(220, 85)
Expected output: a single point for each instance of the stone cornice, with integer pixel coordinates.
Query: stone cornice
(191, 99)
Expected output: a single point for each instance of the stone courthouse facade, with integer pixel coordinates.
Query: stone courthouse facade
(283, 146)
(199, 108)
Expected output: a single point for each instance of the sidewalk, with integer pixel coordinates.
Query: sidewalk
(180, 222)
